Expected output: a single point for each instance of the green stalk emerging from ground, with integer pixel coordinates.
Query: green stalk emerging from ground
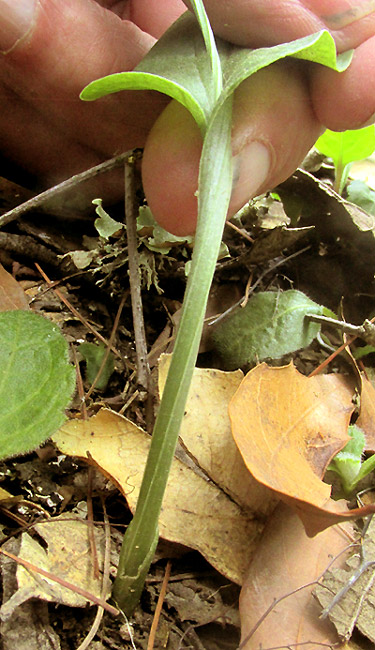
(189, 66)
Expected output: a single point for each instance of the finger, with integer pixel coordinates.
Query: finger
(255, 24)
(153, 16)
(68, 45)
(346, 100)
(267, 145)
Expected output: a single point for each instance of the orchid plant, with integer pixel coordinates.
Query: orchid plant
(202, 73)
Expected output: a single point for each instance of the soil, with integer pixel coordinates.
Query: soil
(334, 264)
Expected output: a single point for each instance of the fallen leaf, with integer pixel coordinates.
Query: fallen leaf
(28, 628)
(67, 555)
(287, 428)
(356, 607)
(195, 513)
(366, 419)
(207, 438)
(12, 296)
(287, 560)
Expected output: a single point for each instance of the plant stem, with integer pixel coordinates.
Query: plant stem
(141, 537)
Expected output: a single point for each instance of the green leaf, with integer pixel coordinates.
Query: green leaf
(271, 325)
(348, 146)
(361, 194)
(344, 148)
(347, 463)
(239, 63)
(36, 381)
(186, 75)
(94, 355)
(209, 40)
(177, 66)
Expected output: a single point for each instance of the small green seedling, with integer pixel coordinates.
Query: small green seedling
(97, 359)
(348, 462)
(345, 148)
(189, 66)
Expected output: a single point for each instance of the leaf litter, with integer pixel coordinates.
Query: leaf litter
(227, 470)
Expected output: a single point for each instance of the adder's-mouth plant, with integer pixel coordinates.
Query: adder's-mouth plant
(189, 66)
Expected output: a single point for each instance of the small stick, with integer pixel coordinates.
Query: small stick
(75, 312)
(143, 368)
(159, 605)
(39, 201)
(251, 290)
(105, 585)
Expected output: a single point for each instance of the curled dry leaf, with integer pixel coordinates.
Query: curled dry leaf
(288, 427)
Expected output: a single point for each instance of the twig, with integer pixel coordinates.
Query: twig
(105, 586)
(39, 201)
(75, 312)
(90, 524)
(365, 331)
(131, 212)
(79, 381)
(240, 231)
(159, 605)
(252, 289)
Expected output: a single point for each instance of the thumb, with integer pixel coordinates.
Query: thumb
(267, 145)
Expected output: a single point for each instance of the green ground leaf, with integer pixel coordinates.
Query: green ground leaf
(272, 324)
(361, 194)
(36, 381)
(94, 355)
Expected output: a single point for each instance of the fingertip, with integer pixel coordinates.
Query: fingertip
(346, 100)
(170, 169)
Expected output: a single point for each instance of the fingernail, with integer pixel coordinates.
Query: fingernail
(251, 168)
(15, 20)
(349, 15)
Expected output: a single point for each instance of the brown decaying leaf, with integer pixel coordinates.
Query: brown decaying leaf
(12, 295)
(287, 428)
(286, 560)
(195, 513)
(366, 420)
(207, 438)
(67, 556)
(356, 605)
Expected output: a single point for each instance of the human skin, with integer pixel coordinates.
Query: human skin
(53, 48)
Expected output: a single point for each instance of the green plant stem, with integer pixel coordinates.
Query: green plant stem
(141, 537)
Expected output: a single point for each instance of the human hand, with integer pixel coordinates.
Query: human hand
(49, 131)
(53, 48)
(278, 112)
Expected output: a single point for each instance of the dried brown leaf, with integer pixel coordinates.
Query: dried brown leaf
(12, 295)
